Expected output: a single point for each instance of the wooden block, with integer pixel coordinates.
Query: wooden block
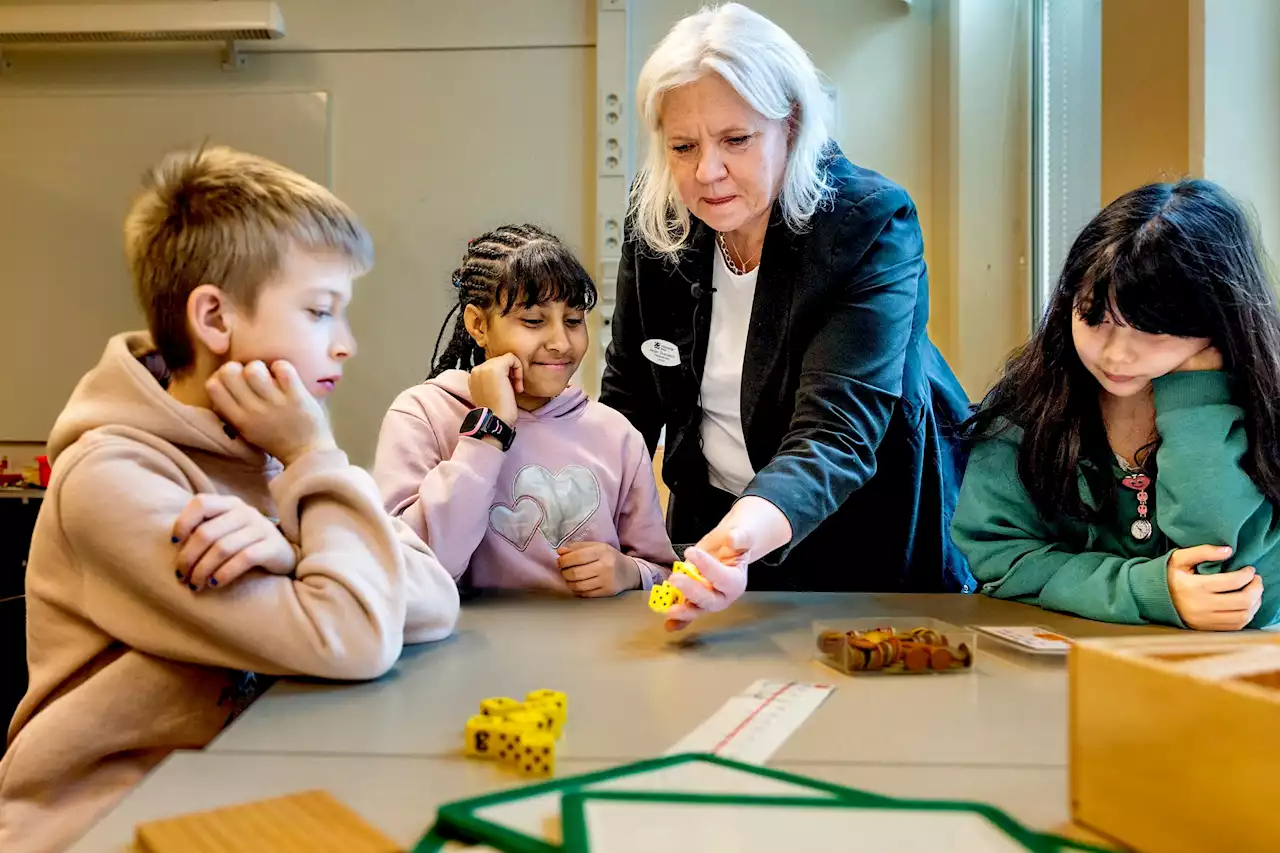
(1173, 740)
(310, 821)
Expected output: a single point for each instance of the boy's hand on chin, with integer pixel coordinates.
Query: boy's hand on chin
(271, 409)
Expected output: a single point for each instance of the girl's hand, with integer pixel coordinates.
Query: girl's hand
(494, 386)
(596, 570)
(1221, 602)
(1209, 358)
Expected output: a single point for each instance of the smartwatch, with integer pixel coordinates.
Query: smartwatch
(481, 422)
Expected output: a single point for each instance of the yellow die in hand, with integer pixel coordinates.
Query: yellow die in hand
(500, 706)
(481, 735)
(663, 597)
(536, 755)
(690, 570)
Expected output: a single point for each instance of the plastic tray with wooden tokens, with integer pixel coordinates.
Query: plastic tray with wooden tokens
(895, 646)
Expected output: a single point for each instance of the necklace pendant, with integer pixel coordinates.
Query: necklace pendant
(1141, 530)
(734, 266)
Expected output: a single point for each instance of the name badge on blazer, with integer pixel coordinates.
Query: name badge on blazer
(660, 352)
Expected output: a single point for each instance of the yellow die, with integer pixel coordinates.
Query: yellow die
(516, 728)
(552, 697)
(506, 732)
(481, 736)
(510, 751)
(553, 712)
(663, 597)
(690, 570)
(533, 721)
(536, 755)
(500, 706)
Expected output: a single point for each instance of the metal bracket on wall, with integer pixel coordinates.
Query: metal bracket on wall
(613, 152)
(232, 59)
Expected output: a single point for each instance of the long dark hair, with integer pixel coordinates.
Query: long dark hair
(514, 265)
(1168, 259)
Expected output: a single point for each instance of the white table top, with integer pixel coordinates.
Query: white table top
(634, 690)
(391, 749)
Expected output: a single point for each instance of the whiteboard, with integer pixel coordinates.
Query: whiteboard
(70, 166)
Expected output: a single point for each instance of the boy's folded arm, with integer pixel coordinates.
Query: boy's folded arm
(431, 593)
(342, 616)
(444, 501)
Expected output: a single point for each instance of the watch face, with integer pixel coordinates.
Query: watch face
(472, 420)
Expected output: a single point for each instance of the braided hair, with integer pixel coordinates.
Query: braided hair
(510, 266)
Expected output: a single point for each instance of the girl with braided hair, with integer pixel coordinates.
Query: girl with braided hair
(511, 474)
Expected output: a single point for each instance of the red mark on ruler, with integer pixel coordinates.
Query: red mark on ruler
(737, 730)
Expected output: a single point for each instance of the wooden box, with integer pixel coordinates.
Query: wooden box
(1175, 741)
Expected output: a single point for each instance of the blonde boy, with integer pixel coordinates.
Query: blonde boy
(170, 459)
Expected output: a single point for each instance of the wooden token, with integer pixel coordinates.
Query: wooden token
(829, 642)
(872, 658)
(928, 636)
(916, 657)
(887, 652)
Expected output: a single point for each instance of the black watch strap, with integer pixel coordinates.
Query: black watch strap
(483, 422)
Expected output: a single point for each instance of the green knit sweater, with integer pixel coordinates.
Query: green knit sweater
(1200, 496)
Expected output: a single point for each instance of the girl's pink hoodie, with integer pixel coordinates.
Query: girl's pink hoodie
(578, 472)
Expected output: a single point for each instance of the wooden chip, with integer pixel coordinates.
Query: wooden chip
(311, 821)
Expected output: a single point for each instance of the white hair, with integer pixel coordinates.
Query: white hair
(771, 72)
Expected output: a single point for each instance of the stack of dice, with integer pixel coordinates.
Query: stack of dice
(664, 596)
(521, 735)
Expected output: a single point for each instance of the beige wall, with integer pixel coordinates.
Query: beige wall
(981, 169)
(1240, 128)
(1192, 87)
(438, 114)
(1146, 86)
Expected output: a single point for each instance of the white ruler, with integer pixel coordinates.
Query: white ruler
(751, 726)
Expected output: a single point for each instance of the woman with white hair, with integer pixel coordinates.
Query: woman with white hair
(771, 310)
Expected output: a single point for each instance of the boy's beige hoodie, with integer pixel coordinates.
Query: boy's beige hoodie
(127, 664)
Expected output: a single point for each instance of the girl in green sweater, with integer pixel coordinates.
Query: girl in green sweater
(1126, 467)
